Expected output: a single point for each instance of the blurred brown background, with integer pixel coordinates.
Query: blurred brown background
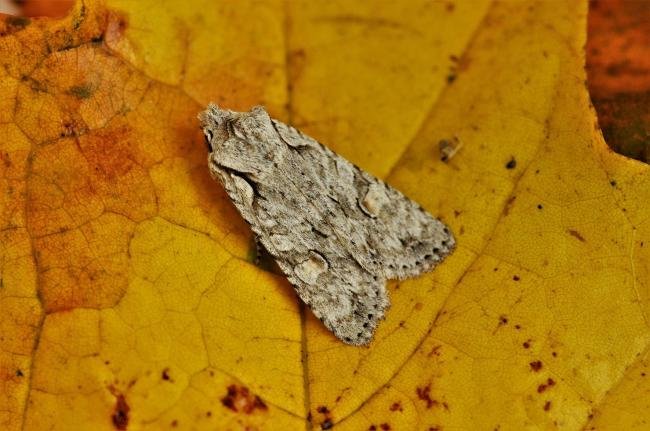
(618, 68)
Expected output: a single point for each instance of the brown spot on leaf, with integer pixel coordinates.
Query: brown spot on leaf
(327, 420)
(385, 427)
(424, 393)
(509, 202)
(298, 53)
(71, 128)
(435, 351)
(512, 163)
(6, 159)
(120, 416)
(83, 91)
(327, 424)
(396, 406)
(536, 365)
(240, 399)
(547, 406)
(165, 374)
(576, 234)
(549, 383)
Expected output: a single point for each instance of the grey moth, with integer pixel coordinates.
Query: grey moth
(337, 232)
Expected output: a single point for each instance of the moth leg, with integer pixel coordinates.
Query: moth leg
(263, 259)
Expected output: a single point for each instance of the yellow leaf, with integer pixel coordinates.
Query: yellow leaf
(128, 299)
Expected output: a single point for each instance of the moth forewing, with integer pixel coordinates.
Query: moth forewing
(337, 232)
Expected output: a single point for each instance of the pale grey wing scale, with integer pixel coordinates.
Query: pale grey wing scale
(404, 238)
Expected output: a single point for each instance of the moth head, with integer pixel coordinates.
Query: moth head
(239, 141)
(220, 125)
(214, 122)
